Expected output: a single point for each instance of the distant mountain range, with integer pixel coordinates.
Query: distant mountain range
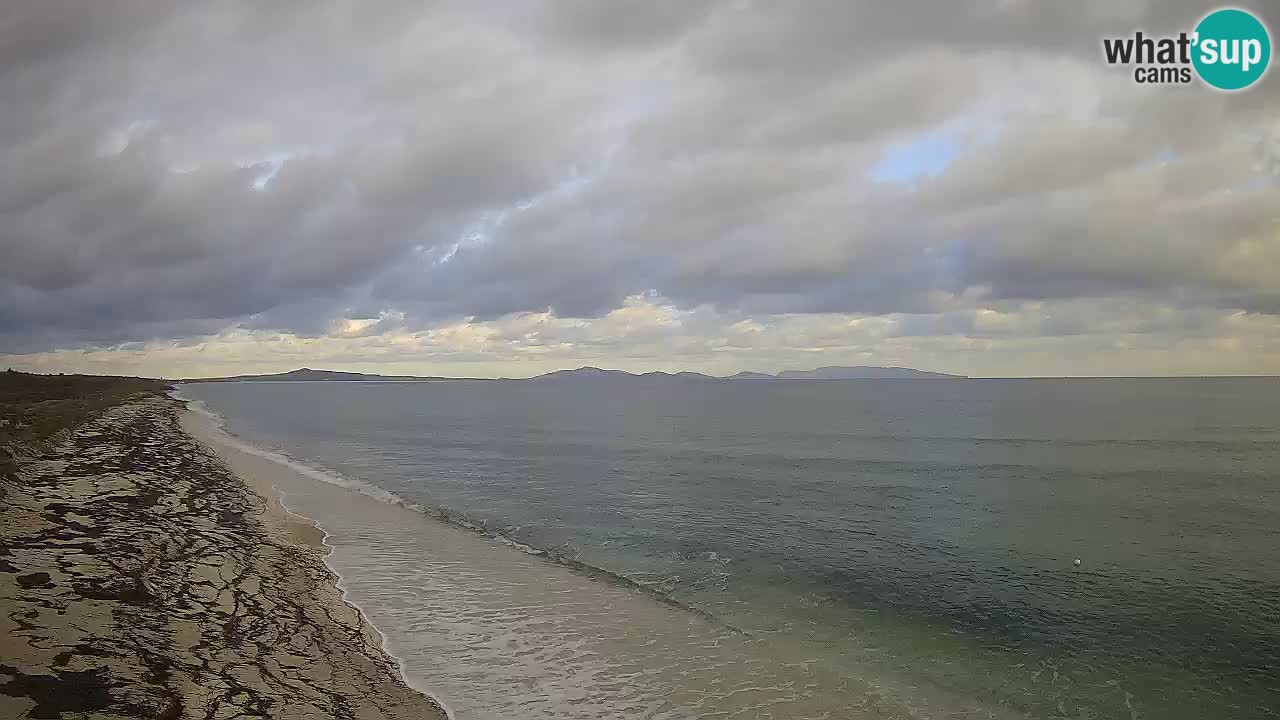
(860, 372)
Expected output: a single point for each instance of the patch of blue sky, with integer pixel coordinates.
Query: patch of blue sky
(925, 155)
(271, 163)
(1159, 159)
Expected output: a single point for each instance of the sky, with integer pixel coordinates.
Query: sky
(488, 188)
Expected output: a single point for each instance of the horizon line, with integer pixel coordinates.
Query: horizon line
(400, 377)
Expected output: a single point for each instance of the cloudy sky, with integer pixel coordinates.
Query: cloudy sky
(505, 188)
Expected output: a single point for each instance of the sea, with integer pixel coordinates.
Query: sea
(1047, 548)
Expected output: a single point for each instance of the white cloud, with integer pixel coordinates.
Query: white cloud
(465, 186)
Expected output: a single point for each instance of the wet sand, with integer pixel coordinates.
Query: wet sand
(139, 577)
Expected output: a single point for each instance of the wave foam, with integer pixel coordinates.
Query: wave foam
(452, 518)
(200, 408)
(323, 475)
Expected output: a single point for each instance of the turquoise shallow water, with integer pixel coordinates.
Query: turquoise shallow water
(918, 530)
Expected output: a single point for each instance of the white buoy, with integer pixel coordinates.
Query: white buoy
(1077, 562)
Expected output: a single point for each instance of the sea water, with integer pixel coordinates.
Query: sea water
(886, 548)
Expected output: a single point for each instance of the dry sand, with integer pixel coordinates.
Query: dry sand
(139, 577)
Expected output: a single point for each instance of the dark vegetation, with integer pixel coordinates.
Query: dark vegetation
(33, 408)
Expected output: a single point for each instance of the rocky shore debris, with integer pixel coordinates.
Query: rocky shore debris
(139, 579)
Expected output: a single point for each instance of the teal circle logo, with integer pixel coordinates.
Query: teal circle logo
(1232, 49)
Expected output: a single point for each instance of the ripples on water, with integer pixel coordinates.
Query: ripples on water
(901, 544)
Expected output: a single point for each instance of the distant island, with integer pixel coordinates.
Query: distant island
(309, 375)
(858, 372)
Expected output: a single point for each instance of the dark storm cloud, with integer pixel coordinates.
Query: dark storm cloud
(174, 171)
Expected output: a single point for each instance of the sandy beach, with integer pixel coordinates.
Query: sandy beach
(139, 577)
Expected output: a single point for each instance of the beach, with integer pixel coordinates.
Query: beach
(500, 631)
(139, 577)
(497, 552)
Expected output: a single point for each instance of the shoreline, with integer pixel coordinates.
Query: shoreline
(506, 633)
(204, 431)
(212, 424)
(141, 577)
